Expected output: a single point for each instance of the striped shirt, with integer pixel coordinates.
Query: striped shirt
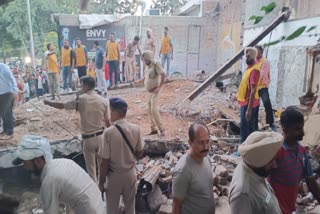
(293, 165)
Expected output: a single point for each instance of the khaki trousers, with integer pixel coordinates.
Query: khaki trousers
(124, 184)
(131, 68)
(153, 112)
(90, 152)
(54, 83)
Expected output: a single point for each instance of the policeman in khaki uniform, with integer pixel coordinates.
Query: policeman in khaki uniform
(122, 146)
(153, 81)
(94, 115)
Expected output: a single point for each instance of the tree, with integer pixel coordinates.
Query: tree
(167, 7)
(15, 20)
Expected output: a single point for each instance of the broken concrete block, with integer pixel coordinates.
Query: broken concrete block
(139, 167)
(144, 160)
(179, 155)
(168, 154)
(150, 164)
(221, 170)
(155, 199)
(165, 209)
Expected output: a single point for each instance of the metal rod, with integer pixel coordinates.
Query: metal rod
(31, 36)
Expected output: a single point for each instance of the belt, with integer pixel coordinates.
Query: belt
(84, 136)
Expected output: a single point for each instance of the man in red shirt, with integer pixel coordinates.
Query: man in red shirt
(248, 97)
(293, 163)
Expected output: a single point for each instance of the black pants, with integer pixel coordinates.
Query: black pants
(6, 106)
(82, 71)
(264, 94)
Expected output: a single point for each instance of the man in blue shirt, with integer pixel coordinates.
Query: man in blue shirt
(8, 95)
(100, 63)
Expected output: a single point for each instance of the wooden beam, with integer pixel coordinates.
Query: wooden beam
(284, 16)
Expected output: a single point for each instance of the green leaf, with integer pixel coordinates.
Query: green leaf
(268, 8)
(312, 28)
(272, 43)
(296, 33)
(252, 17)
(258, 19)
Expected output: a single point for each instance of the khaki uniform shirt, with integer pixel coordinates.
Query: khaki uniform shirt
(94, 111)
(115, 149)
(63, 181)
(131, 50)
(153, 75)
(149, 45)
(250, 193)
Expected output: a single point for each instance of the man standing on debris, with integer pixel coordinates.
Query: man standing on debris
(130, 58)
(51, 65)
(249, 192)
(8, 96)
(153, 81)
(192, 184)
(81, 58)
(293, 163)
(166, 51)
(248, 96)
(67, 64)
(62, 180)
(113, 58)
(122, 146)
(263, 86)
(99, 66)
(94, 116)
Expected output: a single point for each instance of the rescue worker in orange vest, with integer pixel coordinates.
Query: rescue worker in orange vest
(67, 64)
(166, 51)
(263, 86)
(248, 97)
(81, 58)
(114, 60)
(51, 65)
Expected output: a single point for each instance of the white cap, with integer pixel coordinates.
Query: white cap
(31, 147)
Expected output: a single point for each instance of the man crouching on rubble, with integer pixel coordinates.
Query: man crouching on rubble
(249, 193)
(293, 163)
(62, 180)
(192, 177)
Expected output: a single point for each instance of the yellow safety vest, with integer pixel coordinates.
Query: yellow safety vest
(245, 84)
(112, 51)
(260, 84)
(80, 55)
(165, 44)
(66, 56)
(52, 63)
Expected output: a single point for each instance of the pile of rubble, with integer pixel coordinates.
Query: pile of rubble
(155, 177)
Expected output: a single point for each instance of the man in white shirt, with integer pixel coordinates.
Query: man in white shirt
(62, 180)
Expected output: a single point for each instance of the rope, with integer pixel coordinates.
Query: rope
(53, 120)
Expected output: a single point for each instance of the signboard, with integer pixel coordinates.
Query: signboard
(88, 36)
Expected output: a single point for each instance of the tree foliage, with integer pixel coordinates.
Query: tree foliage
(14, 21)
(167, 7)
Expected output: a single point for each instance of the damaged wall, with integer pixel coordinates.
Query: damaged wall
(288, 59)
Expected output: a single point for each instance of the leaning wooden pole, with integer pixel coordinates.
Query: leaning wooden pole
(283, 17)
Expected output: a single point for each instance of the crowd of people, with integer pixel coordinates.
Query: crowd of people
(266, 180)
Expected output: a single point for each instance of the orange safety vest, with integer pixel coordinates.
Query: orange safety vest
(66, 56)
(245, 84)
(52, 63)
(165, 44)
(112, 48)
(80, 53)
(260, 84)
